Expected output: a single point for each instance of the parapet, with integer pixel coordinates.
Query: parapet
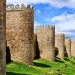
(59, 34)
(45, 26)
(68, 38)
(19, 7)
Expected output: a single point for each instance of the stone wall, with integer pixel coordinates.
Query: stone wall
(2, 37)
(72, 47)
(20, 33)
(35, 43)
(46, 42)
(60, 43)
(68, 46)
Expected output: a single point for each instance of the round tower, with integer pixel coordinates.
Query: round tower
(60, 43)
(46, 42)
(20, 33)
(68, 46)
(72, 47)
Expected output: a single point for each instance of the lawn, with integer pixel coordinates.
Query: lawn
(43, 67)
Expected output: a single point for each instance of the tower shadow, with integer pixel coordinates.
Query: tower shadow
(56, 51)
(10, 73)
(37, 51)
(41, 65)
(8, 55)
(66, 54)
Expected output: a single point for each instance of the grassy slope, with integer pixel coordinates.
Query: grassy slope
(42, 67)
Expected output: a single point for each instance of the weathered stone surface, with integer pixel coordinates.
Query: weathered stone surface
(60, 43)
(72, 47)
(2, 37)
(46, 42)
(20, 34)
(35, 44)
(68, 46)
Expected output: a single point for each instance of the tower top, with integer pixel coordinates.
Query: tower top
(45, 26)
(19, 7)
(59, 34)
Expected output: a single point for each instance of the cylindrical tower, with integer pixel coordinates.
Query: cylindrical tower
(72, 47)
(20, 33)
(46, 42)
(60, 43)
(68, 46)
(2, 37)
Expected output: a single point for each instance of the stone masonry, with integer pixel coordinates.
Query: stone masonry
(68, 46)
(2, 37)
(20, 33)
(59, 43)
(46, 42)
(72, 47)
(35, 42)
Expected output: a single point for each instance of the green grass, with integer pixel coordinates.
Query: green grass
(42, 67)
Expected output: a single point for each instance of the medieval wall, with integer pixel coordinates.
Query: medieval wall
(2, 37)
(35, 43)
(72, 47)
(20, 33)
(68, 46)
(59, 43)
(46, 42)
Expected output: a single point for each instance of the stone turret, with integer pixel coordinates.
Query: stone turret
(20, 33)
(2, 37)
(60, 43)
(68, 46)
(72, 47)
(46, 42)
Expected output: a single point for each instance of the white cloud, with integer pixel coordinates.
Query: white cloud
(63, 17)
(67, 25)
(58, 18)
(57, 3)
(38, 11)
(47, 19)
(64, 23)
(27, 1)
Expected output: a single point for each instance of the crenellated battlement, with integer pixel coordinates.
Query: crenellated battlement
(59, 34)
(45, 26)
(19, 7)
(68, 38)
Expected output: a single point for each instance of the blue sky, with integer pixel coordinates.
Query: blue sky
(60, 13)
